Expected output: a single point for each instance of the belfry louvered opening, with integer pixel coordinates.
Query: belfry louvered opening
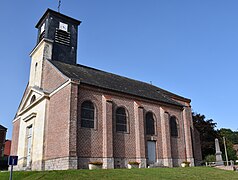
(62, 37)
(42, 35)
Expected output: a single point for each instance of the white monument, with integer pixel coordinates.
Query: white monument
(219, 161)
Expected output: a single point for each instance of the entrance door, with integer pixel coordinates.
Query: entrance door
(29, 144)
(151, 152)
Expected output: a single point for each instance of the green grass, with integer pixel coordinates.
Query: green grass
(193, 173)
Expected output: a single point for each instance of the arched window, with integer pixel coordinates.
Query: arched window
(121, 120)
(150, 123)
(33, 98)
(87, 114)
(173, 126)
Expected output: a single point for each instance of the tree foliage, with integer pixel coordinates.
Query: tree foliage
(230, 137)
(207, 132)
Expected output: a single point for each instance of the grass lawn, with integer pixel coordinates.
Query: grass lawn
(192, 173)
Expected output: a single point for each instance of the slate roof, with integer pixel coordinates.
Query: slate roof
(102, 79)
(2, 127)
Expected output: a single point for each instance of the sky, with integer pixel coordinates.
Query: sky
(187, 47)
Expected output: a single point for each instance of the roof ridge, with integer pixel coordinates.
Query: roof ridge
(116, 82)
(84, 66)
(158, 88)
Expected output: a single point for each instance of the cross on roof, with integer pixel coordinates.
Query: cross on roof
(59, 5)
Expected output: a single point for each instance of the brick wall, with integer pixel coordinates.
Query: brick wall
(51, 77)
(7, 148)
(15, 137)
(90, 141)
(57, 125)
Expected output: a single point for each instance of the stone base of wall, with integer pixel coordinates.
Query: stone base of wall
(61, 163)
(191, 160)
(83, 162)
(108, 163)
(66, 163)
(142, 162)
(123, 162)
(168, 162)
(38, 166)
(178, 162)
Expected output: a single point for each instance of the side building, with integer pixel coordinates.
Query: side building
(72, 114)
(3, 132)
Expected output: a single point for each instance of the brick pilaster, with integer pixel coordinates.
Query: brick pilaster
(73, 126)
(166, 144)
(108, 160)
(140, 136)
(187, 118)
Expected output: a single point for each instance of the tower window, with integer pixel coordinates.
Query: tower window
(121, 120)
(150, 123)
(173, 126)
(87, 114)
(42, 32)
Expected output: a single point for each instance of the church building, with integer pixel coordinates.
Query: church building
(72, 114)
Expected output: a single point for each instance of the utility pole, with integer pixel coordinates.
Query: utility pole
(224, 140)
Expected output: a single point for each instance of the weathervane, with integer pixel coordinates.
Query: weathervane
(59, 5)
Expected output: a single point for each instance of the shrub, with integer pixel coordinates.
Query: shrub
(96, 163)
(186, 163)
(210, 158)
(133, 163)
(3, 163)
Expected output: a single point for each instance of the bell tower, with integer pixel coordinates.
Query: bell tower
(63, 32)
(56, 41)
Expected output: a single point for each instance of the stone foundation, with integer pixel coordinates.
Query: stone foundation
(168, 162)
(61, 163)
(191, 160)
(108, 163)
(83, 162)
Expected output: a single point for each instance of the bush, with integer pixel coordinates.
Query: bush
(210, 158)
(96, 163)
(186, 163)
(133, 163)
(3, 163)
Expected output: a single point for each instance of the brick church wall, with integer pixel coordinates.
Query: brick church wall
(57, 125)
(51, 77)
(90, 140)
(124, 144)
(177, 143)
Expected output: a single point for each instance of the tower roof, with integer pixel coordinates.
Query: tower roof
(50, 11)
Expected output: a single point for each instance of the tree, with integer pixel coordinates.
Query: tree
(207, 132)
(230, 141)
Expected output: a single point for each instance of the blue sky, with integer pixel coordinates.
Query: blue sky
(187, 47)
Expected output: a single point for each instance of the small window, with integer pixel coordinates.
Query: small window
(150, 123)
(121, 120)
(33, 98)
(173, 126)
(87, 114)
